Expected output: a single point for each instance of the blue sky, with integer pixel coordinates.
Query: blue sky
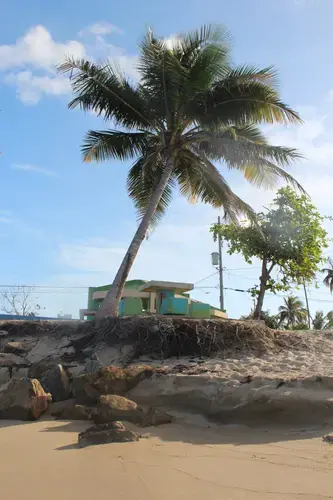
(65, 223)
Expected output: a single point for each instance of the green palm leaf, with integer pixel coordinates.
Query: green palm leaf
(108, 144)
(142, 181)
(102, 89)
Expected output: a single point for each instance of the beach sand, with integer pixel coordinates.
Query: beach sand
(177, 461)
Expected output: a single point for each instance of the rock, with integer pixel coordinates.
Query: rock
(328, 438)
(112, 407)
(108, 380)
(3, 333)
(75, 370)
(56, 382)
(83, 390)
(116, 380)
(18, 348)
(11, 360)
(20, 372)
(50, 346)
(38, 369)
(68, 410)
(78, 412)
(93, 364)
(4, 375)
(23, 399)
(154, 416)
(56, 409)
(113, 432)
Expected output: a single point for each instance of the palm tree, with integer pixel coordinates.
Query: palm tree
(321, 322)
(328, 280)
(189, 109)
(292, 312)
(318, 321)
(329, 321)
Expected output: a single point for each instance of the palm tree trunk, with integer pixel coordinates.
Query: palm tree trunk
(111, 302)
(263, 281)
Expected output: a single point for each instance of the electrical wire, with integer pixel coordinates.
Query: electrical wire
(206, 278)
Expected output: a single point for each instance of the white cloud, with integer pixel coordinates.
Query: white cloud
(101, 28)
(31, 88)
(38, 49)
(30, 63)
(102, 50)
(25, 167)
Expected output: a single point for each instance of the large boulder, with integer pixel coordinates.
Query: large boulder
(84, 391)
(55, 381)
(12, 360)
(23, 399)
(18, 348)
(108, 380)
(112, 408)
(154, 416)
(56, 409)
(113, 432)
(68, 410)
(37, 369)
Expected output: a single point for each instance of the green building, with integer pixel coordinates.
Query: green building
(152, 297)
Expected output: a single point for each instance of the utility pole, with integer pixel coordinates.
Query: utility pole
(307, 305)
(220, 243)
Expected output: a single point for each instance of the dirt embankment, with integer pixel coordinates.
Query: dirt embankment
(230, 370)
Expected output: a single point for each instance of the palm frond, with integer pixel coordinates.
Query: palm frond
(199, 178)
(246, 73)
(142, 181)
(107, 144)
(206, 55)
(100, 88)
(247, 150)
(250, 101)
(161, 73)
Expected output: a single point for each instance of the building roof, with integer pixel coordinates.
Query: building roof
(153, 286)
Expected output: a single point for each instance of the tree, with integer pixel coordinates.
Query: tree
(328, 280)
(288, 239)
(189, 109)
(18, 301)
(318, 321)
(323, 322)
(292, 313)
(271, 320)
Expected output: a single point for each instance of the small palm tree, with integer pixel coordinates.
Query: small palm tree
(328, 280)
(318, 322)
(189, 109)
(292, 312)
(323, 322)
(329, 321)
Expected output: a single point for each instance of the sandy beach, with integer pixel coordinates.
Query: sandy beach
(177, 461)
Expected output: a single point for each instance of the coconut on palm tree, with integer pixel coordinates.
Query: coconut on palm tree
(189, 110)
(292, 313)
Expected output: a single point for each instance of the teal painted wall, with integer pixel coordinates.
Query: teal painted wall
(95, 304)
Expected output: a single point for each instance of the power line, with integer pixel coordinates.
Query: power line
(44, 286)
(206, 278)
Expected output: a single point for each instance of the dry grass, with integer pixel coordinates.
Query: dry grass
(162, 337)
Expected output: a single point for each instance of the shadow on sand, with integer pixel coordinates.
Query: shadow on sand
(196, 430)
